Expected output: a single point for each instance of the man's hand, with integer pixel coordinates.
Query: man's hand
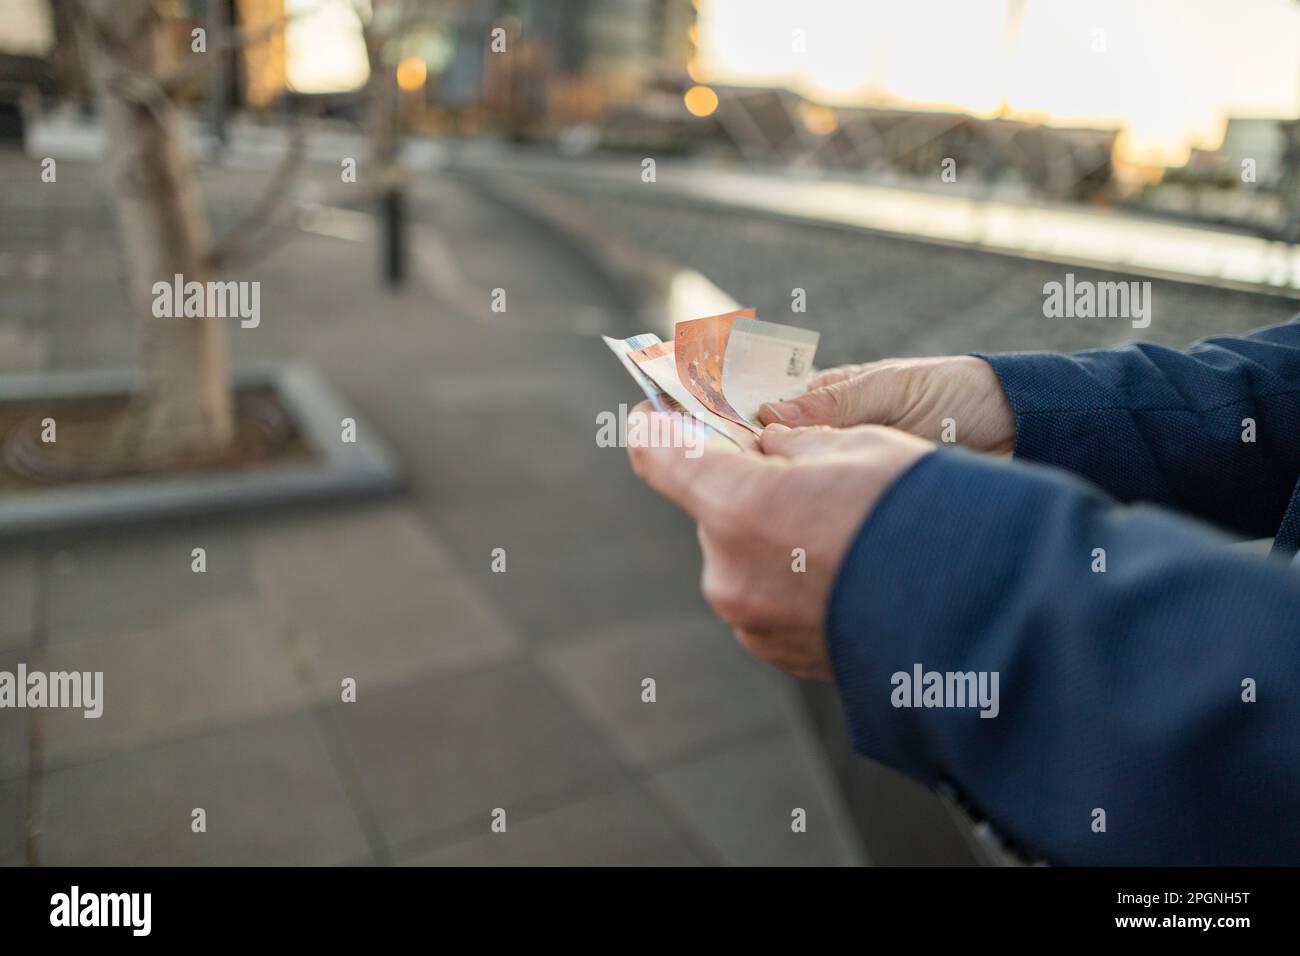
(775, 527)
(914, 395)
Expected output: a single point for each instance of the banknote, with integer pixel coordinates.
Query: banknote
(720, 369)
(657, 363)
(733, 363)
(624, 348)
(664, 401)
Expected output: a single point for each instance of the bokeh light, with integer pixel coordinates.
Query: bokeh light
(411, 73)
(701, 101)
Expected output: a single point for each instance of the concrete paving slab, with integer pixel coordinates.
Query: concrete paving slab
(268, 787)
(106, 585)
(554, 593)
(439, 753)
(17, 600)
(706, 688)
(373, 596)
(536, 443)
(214, 666)
(13, 821)
(15, 727)
(740, 801)
(623, 828)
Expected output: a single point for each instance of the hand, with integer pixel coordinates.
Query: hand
(914, 395)
(810, 490)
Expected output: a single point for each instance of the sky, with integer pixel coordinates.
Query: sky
(26, 29)
(323, 46)
(1168, 71)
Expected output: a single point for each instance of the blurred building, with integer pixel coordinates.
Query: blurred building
(26, 43)
(1248, 142)
(777, 126)
(39, 48)
(1289, 187)
(1252, 179)
(262, 66)
(254, 72)
(26, 29)
(566, 61)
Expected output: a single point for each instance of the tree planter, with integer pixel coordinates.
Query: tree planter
(314, 463)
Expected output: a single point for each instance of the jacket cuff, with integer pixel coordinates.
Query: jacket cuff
(1075, 420)
(1048, 393)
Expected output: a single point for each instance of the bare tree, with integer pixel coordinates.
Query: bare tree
(184, 405)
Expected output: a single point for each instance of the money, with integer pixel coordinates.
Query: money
(658, 363)
(721, 368)
(734, 363)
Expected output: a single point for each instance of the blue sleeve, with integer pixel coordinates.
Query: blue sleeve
(1120, 690)
(1149, 423)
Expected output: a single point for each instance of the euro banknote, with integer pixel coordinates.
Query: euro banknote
(721, 368)
(734, 363)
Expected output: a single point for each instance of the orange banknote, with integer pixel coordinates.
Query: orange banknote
(733, 363)
(721, 368)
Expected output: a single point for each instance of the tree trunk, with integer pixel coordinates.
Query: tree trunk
(184, 406)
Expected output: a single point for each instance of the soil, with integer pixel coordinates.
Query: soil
(266, 434)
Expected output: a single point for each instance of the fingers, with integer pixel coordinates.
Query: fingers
(698, 477)
(817, 440)
(829, 376)
(843, 402)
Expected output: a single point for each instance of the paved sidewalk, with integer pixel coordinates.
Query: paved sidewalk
(475, 690)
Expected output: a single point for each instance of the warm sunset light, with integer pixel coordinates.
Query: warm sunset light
(1166, 70)
(701, 101)
(820, 120)
(324, 47)
(411, 74)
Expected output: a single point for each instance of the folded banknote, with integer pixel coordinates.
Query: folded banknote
(720, 369)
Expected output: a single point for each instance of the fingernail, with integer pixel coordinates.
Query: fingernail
(784, 412)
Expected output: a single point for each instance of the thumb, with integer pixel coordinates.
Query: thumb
(848, 401)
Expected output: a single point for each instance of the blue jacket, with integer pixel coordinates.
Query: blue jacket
(1158, 698)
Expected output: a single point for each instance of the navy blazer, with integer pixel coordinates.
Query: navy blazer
(1148, 676)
